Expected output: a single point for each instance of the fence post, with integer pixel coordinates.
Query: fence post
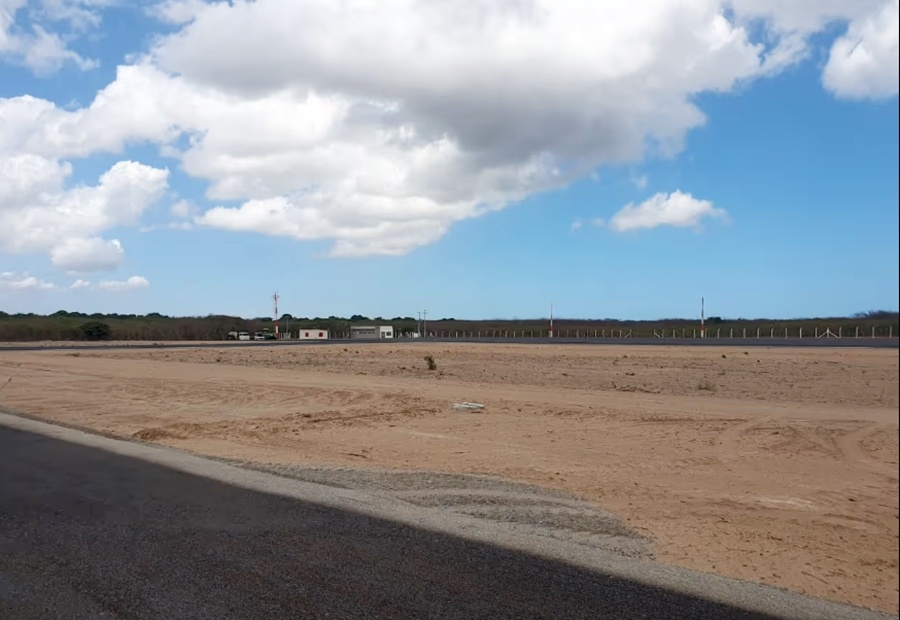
(857, 331)
(772, 333)
(817, 332)
(731, 333)
(801, 332)
(745, 332)
(757, 333)
(840, 332)
(719, 333)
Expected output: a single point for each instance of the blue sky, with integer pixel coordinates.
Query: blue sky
(192, 158)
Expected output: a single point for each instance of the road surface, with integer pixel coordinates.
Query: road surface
(92, 527)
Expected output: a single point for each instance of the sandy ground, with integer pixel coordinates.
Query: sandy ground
(774, 465)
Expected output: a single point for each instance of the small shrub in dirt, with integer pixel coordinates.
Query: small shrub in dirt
(706, 386)
(432, 365)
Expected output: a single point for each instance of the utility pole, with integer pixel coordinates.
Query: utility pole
(425, 323)
(551, 320)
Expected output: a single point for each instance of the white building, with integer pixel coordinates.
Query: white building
(312, 334)
(371, 332)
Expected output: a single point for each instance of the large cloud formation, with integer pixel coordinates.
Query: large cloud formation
(377, 125)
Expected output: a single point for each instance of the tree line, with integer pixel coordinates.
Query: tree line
(63, 325)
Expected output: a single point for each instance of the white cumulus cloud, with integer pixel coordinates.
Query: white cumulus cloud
(378, 125)
(133, 283)
(85, 255)
(385, 124)
(676, 209)
(865, 62)
(12, 281)
(38, 214)
(26, 40)
(177, 11)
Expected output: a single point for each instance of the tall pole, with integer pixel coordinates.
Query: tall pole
(275, 318)
(551, 320)
(425, 323)
(702, 317)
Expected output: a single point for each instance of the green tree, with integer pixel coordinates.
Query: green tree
(96, 330)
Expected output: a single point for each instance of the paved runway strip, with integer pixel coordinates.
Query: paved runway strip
(92, 527)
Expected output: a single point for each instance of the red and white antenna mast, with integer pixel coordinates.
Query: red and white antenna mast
(702, 317)
(275, 317)
(551, 320)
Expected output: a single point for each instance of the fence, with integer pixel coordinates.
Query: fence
(737, 333)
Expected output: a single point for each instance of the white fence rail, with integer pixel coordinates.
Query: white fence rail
(718, 333)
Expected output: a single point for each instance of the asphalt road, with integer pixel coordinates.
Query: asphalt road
(92, 527)
(865, 343)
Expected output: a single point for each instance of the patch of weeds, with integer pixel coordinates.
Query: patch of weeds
(432, 365)
(706, 386)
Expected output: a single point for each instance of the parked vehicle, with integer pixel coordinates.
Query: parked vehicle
(236, 335)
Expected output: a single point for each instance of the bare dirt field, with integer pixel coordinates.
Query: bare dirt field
(773, 465)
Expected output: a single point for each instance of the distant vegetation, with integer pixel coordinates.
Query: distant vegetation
(64, 325)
